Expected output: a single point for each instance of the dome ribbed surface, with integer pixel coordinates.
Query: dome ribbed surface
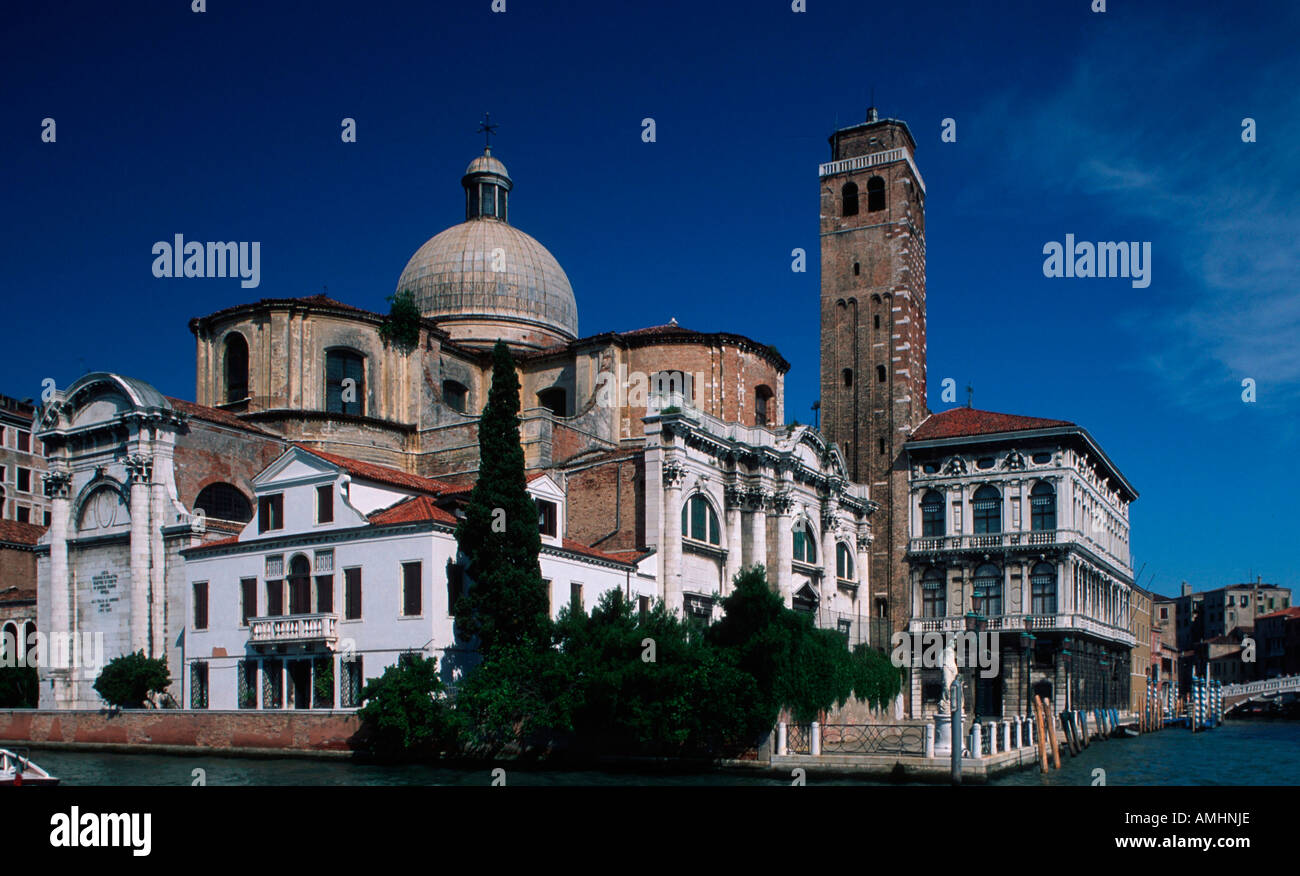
(452, 276)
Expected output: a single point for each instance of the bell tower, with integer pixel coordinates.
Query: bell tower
(873, 334)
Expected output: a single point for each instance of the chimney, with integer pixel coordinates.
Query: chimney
(1187, 589)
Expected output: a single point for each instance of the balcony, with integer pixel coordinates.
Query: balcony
(1015, 623)
(1027, 539)
(293, 628)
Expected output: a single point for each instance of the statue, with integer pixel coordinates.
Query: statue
(949, 675)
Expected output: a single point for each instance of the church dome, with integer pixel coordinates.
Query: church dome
(484, 279)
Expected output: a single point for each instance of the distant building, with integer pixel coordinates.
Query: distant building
(1141, 668)
(22, 463)
(17, 586)
(1204, 623)
(1277, 637)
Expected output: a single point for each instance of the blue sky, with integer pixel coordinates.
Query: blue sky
(1124, 125)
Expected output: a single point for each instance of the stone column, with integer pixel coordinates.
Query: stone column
(783, 504)
(735, 499)
(138, 473)
(59, 617)
(757, 498)
(157, 566)
(829, 551)
(671, 529)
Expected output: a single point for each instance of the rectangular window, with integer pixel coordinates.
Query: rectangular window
(200, 605)
(325, 504)
(325, 594)
(300, 595)
(24, 514)
(322, 683)
(246, 681)
(411, 575)
(546, 585)
(247, 600)
(198, 685)
(24, 480)
(352, 594)
(546, 517)
(47, 518)
(270, 512)
(643, 605)
(24, 441)
(274, 598)
(350, 683)
(455, 587)
(575, 595)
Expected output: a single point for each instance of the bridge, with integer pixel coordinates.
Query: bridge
(1259, 691)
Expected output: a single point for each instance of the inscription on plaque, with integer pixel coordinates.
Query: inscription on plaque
(103, 588)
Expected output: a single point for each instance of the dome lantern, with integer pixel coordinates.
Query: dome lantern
(487, 188)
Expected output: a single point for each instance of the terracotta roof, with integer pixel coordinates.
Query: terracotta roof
(465, 489)
(1293, 611)
(632, 557)
(960, 422)
(14, 532)
(578, 547)
(412, 510)
(215, 415)
(671, 328)
(381, 473)
(218, 542)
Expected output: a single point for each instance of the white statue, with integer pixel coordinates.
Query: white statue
(949, 675)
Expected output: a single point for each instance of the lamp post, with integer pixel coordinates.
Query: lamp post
(1026, 660)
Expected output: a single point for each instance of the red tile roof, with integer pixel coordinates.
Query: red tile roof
(1292, 611)
(381, 473)
(960, 422)
(413, 510)
(218, 542)
(14, 532)
(465, 489)
(215, 415)
(578, 547)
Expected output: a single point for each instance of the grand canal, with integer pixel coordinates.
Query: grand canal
(1238, 753)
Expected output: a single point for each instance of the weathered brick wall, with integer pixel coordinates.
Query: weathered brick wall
(208, 454)
(17, 569)
(299, 731)
(594, 496)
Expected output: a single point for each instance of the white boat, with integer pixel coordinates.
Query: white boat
(17, 769)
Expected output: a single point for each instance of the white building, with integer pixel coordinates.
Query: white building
(345, 566)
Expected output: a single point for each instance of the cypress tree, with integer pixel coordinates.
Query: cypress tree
(507, 602)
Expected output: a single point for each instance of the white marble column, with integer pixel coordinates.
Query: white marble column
(758, 531)
(783, 504)
(670, 556)
(735, 499)
(157, 570)
(138, 472)
(59, 617)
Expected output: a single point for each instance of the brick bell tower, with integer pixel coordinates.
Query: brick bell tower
(873, 334)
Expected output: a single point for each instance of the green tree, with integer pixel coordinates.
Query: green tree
(520, 700)
(19, 687)
(402, 327)
(130, 679)
(405, 711)
(507, 601)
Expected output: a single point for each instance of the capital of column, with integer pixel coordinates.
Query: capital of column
(139, 468)
(757, 498)
(783, 502)
(864, 541)
(735, 496)
(673, 475)
(57, 484)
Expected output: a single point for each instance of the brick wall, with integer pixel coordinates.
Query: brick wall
(262, 731)
(594, 494)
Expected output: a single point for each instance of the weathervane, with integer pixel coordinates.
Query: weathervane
(487, 129)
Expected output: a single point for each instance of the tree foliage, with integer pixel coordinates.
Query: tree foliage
(405, 709)
(130, 679)
(402, 327)
(507, 602)
(19, 687)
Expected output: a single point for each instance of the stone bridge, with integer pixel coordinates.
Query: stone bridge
(1236, 694)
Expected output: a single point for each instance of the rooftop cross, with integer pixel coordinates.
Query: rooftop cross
(487, 129)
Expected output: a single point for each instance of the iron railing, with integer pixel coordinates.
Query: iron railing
(902, 739)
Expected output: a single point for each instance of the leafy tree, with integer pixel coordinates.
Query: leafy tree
(520, 698)
(876, 680)
(405, 711)
(507, 602)
(402, 327)
(19, 687)
(130, 679)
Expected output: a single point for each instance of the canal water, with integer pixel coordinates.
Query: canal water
(1237, 753)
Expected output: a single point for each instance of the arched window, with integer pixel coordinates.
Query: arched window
(764, 410)
(1042, 506)
(848, 377)
(299, 585)
(932, 522)
(880, 374)
(876, 322)
(671, 389)
(224, 502)
(700, 521)
(345, 382)
(10, 647)
(805, 546)
(857, 269)
(555, 400)
(875, 194)
(849, 197)
(986, 506)
(988, 590)
(1042, 581)
(27, 644)
(236, 361)
(843, 562)
(455, 395)
(933, 601)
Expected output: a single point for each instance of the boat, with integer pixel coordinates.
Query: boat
(16, 768)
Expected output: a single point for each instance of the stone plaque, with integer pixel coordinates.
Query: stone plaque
(103, 588)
